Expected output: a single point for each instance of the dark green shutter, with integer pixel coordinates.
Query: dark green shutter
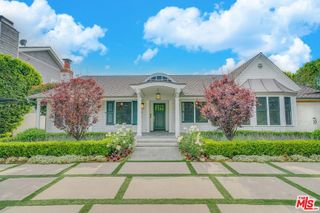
(134, 112)
(110, 112)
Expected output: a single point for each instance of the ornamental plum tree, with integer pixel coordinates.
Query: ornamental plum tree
(74, 105)
(228, 105)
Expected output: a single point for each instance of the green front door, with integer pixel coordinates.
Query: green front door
(159, 112)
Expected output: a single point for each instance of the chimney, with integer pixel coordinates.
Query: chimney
(66, 72)
(67, 64)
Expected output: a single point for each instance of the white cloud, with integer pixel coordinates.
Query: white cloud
(246, 28)
(41, 25)
(228, 67)
(291, 59)
(147, 55)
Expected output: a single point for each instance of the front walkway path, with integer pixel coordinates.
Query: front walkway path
(156, 154)
(144, 187)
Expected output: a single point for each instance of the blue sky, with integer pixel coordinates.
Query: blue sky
(182, 36)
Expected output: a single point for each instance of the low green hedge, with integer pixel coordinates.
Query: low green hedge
(262, 147)
(270, 135)
(55, 148)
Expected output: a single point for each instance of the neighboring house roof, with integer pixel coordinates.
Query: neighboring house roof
(43, 48)
(119, 86)
(266, 85)
(308, 93)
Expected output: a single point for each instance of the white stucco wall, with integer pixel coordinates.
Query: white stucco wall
(307, 111)
(29, 121)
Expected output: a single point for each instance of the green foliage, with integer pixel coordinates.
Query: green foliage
(291, 75)
(262, 147)
(55, 148)
(121, 143)
(41, 159)
(42, 88)
(250, 134)
(32, 134)
(316, 134)
(190, 144)
(308, 74)
(16, 80)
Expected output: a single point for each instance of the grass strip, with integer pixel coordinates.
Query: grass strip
(280, 168)
(115, 172)
(230, 168)
(10, 167)
(307, 191)
(67, 169)
(32, 195)
(123, 188)
(86, 208)
(192, 170)
(213, 208)
(221, 188)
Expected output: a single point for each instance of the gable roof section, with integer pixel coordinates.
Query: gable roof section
(308, 93)
(48, 49)
(237, 71)
(119, 86)
(266, 85)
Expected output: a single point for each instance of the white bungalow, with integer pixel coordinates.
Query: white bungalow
(161, 102)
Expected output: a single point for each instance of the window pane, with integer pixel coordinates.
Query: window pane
(199, 117)
(110, 112)
(262, 111)
(123, 112)
(187, 112)
(274, 111)
(287, 106)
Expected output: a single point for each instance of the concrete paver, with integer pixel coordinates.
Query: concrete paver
(300, 167)
(259, 188)
(155, 168)
(171, 187)
(241, 208)
(156, 153)
(83, 188)
(150, 208)
(42, 209)
(210, 168)
(311, 183)
(93, 168)
(254, 168)
(36, 169)
(19, 188)
(5, 166)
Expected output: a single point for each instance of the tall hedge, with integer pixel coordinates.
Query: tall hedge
(16, 80)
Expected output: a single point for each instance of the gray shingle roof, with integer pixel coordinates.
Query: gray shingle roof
(119, 86)
(307, 92)
(265, 85)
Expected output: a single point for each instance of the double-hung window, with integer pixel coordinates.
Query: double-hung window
(268, 111)
(123, 112)
(261, 112)
(288, 113)
(187, 112)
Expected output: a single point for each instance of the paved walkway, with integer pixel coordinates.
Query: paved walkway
(156, 154)
(170, 187)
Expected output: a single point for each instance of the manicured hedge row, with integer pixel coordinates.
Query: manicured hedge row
(262, 147)
(54, 148)
(262, 135)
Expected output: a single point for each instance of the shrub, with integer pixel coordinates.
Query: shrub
(250, 134)
(55, 148)
(190, 144)
(262, 147)
(32, 134)
(121, 143)
(316, 134)
(41, 159)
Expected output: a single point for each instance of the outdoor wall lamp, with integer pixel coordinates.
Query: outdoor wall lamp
(142, 105)
(158, 95)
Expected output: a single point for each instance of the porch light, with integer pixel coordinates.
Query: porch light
(158, 96)
(142, 105)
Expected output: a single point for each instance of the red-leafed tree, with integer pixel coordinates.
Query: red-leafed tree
(228, 105)
(74, 105)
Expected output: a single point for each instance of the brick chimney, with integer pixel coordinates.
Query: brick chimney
(66, 73)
